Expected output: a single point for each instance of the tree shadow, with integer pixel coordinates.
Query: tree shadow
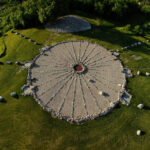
(113, 36)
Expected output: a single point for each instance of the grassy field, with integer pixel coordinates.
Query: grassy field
(25, 126)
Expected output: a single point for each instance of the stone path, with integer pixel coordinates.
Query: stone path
(70, 76)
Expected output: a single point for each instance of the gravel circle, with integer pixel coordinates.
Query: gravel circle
(77, 80)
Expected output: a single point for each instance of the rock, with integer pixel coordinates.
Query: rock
(21, 35)
(120, 85)
(92, 81)
(35, 43)
(30, 40)
(1, 99)
(14, 94)
(25, 37)
(17, 33)
(138, 72)
(17, 63)
(28, 90)
(101, 93)
(45, 48)
(69, 24)
(127, 73)
(140, 106)
(115, 54)
(147, 74)
(125, 98)
(148, 40)
(113, 104)
(9, 62)
(139, 132)
(27, 65)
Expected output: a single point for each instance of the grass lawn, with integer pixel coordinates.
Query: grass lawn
(24, 125)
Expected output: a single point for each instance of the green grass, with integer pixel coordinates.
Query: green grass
(2, 47)
(25, 126)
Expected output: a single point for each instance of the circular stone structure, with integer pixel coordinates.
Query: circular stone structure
(68, 24)
(69, 76)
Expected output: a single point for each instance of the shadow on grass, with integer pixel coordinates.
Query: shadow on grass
(113, 36)
(3, 101)
(4, 51)
(146, 107)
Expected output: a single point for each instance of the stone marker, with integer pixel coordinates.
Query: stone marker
(101, 93)
(113, 104)
(140, 106)
(128, 73)
(27, 65)
(35, 43)
(30, 40)
(138, 72)
(139, 132)
(1, 99)
(14, 94)
(17, 63)
(25, 37)
(9, 62)
(147, 74)
(115, 54)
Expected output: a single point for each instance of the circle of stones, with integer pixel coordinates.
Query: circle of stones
(72, 95)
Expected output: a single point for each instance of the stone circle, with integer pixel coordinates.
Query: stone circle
(68, 24)
(63, 84)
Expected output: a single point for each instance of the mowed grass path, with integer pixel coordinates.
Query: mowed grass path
(24, 125)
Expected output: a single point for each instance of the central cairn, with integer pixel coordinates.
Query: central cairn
(77, 80)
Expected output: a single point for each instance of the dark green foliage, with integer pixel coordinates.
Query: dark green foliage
(116, 8)
(27, 13)
(138, 29)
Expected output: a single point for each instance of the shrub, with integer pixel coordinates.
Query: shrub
(128, 27)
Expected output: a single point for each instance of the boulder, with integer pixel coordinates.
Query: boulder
(115, 54)
(125, 98)
(127, 73)
(9, 62)
(140, 106)
(27, 65)
(30, 40)
(101, 93)
(18, 63)
(14, 94)
(138, 72)
(1, 99)
(139, 132)
(147, 74)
